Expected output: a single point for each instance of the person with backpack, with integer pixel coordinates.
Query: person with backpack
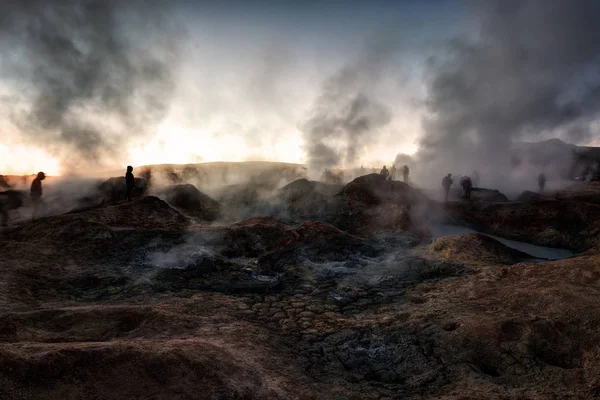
(446, 183)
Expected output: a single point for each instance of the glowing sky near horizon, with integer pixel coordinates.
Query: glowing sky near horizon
(194, 81)
(248, 74)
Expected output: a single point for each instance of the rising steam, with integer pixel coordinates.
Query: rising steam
(88, 75)
(532, 71)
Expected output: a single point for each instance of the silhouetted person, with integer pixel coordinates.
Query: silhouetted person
(393, 172)
(384, 172)
(405, 172)
(362, 170)
(129, 181)
(36, 192)
(467, 186)
(542, 182)
(446, 183)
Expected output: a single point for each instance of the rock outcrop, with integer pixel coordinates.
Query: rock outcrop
(564, 224)
(190, 201)
(487, 195)
(115, 190)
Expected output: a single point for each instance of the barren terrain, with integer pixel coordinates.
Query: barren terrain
(339, 296)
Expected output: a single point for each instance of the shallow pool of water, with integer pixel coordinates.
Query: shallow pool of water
(550, 253)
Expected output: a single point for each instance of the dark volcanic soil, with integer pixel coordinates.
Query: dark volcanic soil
(136, 301)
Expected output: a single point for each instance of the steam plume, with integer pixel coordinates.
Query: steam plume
(532, 70)
(89, 74)
(344, 116)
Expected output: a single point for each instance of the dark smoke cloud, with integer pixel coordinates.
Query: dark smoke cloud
(532, 70)
(90, 74)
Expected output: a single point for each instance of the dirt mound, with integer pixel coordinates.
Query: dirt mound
(374, 189)
(317, 242)
(253, 236)
(145, 213)
(368, 205)
(115, 189)
(190, 201)
(476, 249)
(487, 195)
(562, 224)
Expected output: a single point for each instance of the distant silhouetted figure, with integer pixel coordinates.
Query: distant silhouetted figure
(36, 192)
(129, 181)
(405, 172)
(384, 172)
(362, 170)
(373, 170)
(446, 183)
(393, 172)
(542, 182)
(467, 186)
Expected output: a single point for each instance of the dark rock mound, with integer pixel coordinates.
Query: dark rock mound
(317, 242)
(190, 201)
(371, 204)
(145, 213)
(361, 219)
(487, 195)
(253, 236)
(564, 224)
(115, 189)
(476, 249)
(98, 225)
(374, 189)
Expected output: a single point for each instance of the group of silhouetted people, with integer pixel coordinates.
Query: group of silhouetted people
(465, 182)
(468, 184)
(392, 175)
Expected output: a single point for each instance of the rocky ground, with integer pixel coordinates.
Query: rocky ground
(138, 300)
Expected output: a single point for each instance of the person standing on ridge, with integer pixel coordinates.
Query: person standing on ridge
(405, 172)
(393, 172)
(36, 193)
(446, 183)
(129, 181)
(384, 172)
(542, 182)
(467, 185)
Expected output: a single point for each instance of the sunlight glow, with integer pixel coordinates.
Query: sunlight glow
(16, 159)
